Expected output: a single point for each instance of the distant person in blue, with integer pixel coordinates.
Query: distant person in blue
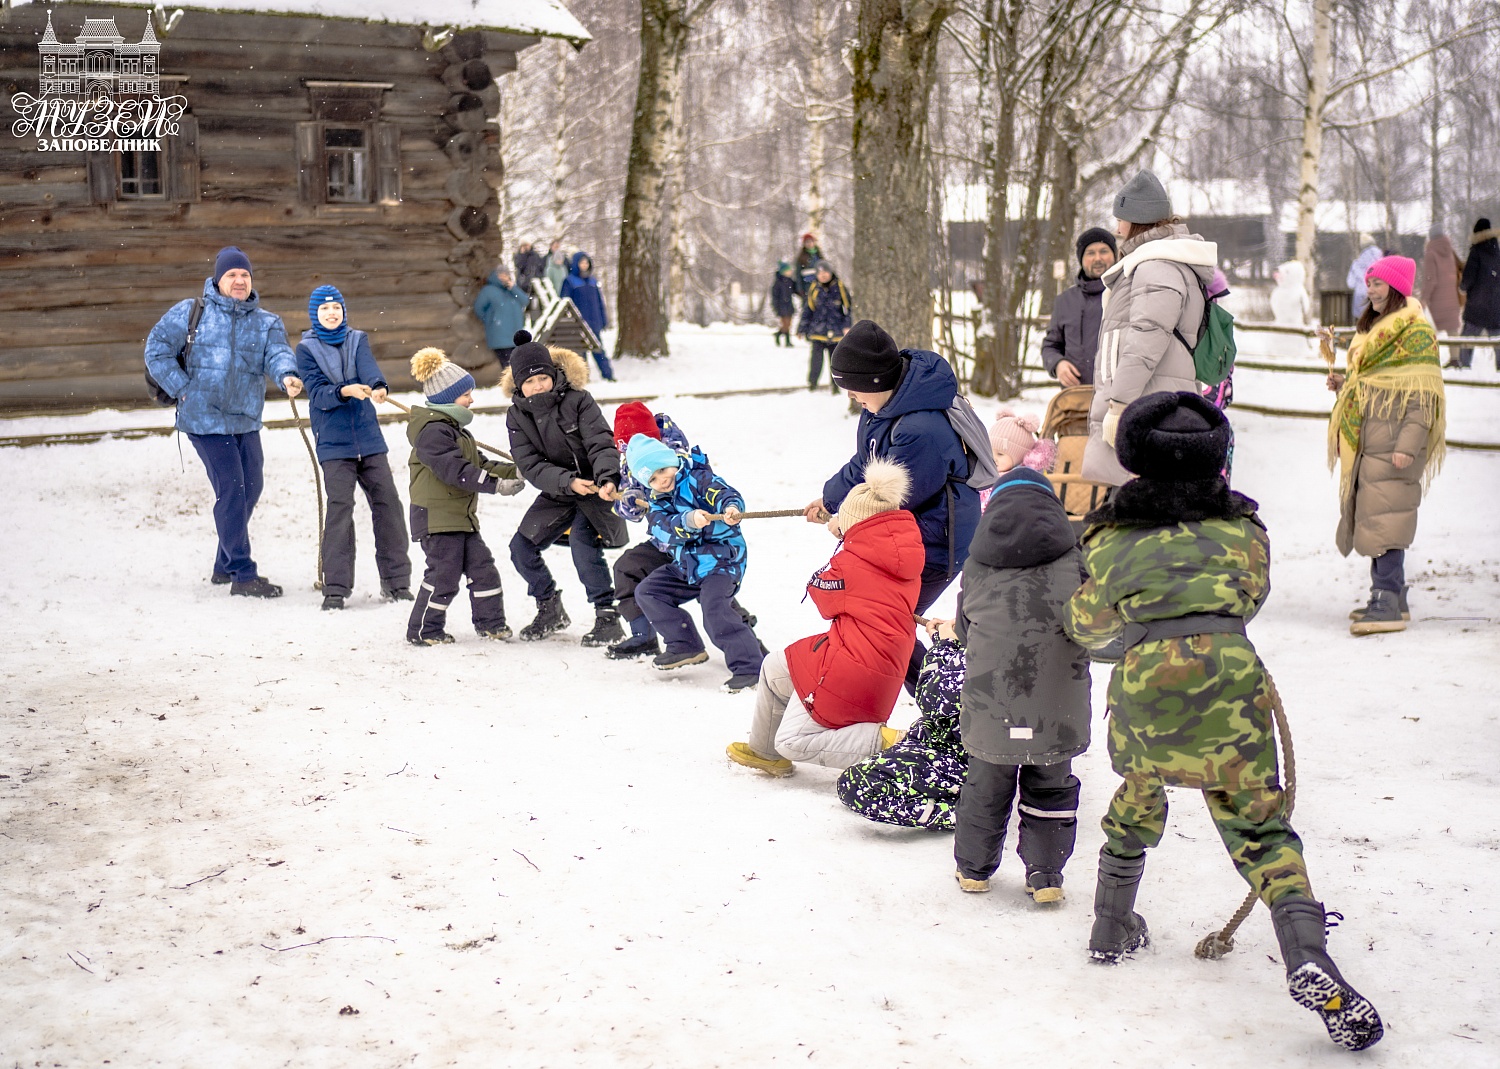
(220, 394)
(905, 394)
(344, 384)
(501, 306)
(582, 288)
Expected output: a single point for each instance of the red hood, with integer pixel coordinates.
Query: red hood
(890, 542)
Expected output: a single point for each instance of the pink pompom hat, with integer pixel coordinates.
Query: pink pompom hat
(1397, 272)
(1015, 436)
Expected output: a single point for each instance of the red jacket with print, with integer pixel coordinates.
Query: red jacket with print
(852, 674)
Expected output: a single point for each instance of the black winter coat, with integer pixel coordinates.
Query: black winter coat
(561, 435)
(1074, 333)
(1481, 281)
(782, 291)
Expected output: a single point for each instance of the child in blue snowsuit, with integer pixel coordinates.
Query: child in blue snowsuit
(582, 288)
(708, 560)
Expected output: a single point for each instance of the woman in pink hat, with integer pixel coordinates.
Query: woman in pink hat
(1386, 436)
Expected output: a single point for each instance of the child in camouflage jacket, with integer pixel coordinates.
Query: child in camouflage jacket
(1177, 564)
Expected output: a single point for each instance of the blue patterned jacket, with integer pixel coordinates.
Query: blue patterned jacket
(635, 499)
(719, 547)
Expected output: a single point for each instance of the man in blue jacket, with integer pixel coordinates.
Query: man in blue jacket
(344, 384)
(501, 307)
(582, 288)
(905, 394)
(220, 395)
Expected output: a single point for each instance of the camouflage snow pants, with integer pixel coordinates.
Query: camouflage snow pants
(1252, 822)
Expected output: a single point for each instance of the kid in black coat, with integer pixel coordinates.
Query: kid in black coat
(564, 447)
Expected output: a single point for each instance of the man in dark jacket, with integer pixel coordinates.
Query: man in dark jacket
(905, 394)
(1072, 339)
(1481, 282)
(530, 265)
(344, 384)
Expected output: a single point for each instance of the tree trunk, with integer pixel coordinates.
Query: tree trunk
(560, 144)
(819, 115)
(1320, 67)
(677, 241)
(894, 60)
(1434, 133)
(989, 376)
(640, 308)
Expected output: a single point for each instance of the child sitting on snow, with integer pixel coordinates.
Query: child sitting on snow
(632, 503)
(447, 476)
(564, 448)
(916, 782)
(825, 699)
(708, 560)
(1025, 711)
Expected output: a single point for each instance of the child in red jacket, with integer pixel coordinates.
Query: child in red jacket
(845, 681)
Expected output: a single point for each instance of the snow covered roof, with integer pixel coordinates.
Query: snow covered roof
(530, 18)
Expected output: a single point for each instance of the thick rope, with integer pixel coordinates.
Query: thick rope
(312, 455)
(487, 448)
(1215, 946)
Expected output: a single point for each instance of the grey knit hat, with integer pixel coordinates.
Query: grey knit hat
(1143, 200)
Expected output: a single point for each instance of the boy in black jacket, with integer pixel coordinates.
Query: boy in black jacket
(564, 447)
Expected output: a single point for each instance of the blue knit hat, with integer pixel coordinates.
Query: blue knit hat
(321, 296)
(646, 456)
(229, 258)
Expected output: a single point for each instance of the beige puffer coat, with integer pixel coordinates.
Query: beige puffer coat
(1153, 290)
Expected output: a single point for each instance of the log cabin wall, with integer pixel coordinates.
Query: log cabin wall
(84, 275)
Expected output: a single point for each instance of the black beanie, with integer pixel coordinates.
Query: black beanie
(1481, 224)
(530, 358)
(1174, 437)
(866, 359)
(1093, 235)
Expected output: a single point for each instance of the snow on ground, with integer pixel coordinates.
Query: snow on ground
(254, 834)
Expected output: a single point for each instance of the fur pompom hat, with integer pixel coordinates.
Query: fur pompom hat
(884, 489)
(443, 381)
(1176, 437)
(1015, 437)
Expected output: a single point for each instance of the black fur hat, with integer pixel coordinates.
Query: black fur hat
(1173, 436)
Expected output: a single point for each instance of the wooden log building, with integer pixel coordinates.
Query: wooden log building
(350, 142)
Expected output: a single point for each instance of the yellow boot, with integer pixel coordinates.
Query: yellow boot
(741, 754)
(889, 736)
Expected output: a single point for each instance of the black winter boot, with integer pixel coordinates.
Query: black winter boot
(550, 617)
(607, 627)
(633, 647)
(1313, 980)
(333, 601)
(1118, 929)
(259, 587)
(1381, 616)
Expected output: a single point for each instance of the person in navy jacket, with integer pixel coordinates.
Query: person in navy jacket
(343, 386)
(905, 394)
(582, 288)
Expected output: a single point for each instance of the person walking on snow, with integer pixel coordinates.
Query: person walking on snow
(1072, 337)
(905, 395)
(1386, 437)
(825, 318)
(344, 384)
(1481, 286)
(220, 395)
(826, 699)
(783, 290)
(563, 447)
(1440, 268)
(1177, 565)
(1154, 305)
(582, 288)
(501, 306)
(808, 255)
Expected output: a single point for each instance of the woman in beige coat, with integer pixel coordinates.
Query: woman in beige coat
(1386, 436)
(1153, 310)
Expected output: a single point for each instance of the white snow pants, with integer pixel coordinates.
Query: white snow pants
(782, 726)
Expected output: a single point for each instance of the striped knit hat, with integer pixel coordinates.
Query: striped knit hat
(442, 380)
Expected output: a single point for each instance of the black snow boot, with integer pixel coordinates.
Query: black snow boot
(259, 587)
(221, 579)
(1313, 980)
(633, 647)
(396, 593)
(607, 629)
(333, 601)
(1381, 616)
(1118, 929)
(550, 617)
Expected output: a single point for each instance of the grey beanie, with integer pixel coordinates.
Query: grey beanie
(1143, 200)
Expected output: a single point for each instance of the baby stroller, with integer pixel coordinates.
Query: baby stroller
(1067, 422)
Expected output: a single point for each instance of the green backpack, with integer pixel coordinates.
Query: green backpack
(1213, 356)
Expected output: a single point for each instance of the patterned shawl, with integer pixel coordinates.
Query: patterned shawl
(1391, 366)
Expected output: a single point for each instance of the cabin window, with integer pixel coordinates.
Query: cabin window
(346, 155)
(141, 176)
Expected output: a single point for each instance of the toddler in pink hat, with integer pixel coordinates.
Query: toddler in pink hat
(1013, 440)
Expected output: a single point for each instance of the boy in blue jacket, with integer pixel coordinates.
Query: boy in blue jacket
(343, 385)
(695, 517)
(582, 288)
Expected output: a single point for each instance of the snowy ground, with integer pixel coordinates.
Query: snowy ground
(254, 834)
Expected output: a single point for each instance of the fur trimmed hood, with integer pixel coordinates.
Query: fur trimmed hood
(1172, 242)
(575, 367)
(1484, 235)
(1160, 503)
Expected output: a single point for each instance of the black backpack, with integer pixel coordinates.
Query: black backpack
(153, 388)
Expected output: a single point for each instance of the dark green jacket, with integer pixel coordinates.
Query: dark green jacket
(448, 474)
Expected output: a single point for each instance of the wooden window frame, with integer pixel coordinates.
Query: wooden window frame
(347, 105)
